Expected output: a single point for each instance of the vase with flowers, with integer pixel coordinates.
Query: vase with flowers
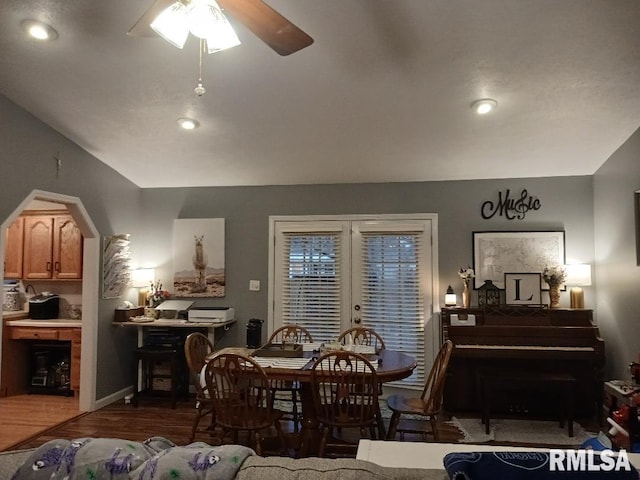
(466, 274)
(555, 276)
(155, 297)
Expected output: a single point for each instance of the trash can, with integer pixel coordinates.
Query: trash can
(254, 333)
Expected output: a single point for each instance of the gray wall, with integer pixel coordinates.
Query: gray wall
(566, 205)
(617, 273)
(117, 206)
(27, 163)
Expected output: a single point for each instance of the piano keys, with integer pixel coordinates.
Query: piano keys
(524, 339)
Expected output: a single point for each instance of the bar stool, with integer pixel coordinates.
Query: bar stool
(147, 357)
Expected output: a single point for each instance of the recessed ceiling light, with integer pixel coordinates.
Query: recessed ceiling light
(484, 105)
(188, 123)
(39, 30)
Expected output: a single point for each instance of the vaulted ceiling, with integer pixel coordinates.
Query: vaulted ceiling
(382, 95)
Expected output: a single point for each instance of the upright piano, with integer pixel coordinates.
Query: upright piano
(522, 339)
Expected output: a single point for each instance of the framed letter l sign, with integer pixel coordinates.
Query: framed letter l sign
(522, 288)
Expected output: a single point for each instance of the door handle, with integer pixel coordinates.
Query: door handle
(57, 266)
(357, 319)
(48, 266)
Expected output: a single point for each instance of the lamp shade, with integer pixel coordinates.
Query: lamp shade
(207, 21)
(142, 277)
(578, 275)
(173, 24)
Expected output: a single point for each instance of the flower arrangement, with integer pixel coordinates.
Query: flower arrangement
(157, 295)
(466, 274)
(554, 275)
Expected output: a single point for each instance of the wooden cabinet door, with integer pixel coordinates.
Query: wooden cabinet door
(67, 249)
(76, 347)
(14, 250)
(38, 247)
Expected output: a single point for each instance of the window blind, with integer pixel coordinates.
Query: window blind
(311, 283)
(391, 297)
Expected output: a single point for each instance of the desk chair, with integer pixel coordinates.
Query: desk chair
(196, 348)
(430, 401)
(345, 394)
(149, 358)
(241, 395)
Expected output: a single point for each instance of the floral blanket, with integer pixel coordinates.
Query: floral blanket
(115, 459)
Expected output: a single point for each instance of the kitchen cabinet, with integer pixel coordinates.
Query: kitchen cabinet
(15, 364)
(15, 355)
(52, 248)
(14, 249)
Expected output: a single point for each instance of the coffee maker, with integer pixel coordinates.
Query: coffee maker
(40, 377)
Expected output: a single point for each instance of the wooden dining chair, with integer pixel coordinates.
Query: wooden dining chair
(293, 334)
(345, 395)
(362, 336)
(241, 396)
(369, 337)
(196, 349)
(429, 403)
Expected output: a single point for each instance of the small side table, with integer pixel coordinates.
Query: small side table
(618, 393)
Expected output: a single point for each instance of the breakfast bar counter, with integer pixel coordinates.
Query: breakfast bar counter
(52, 323)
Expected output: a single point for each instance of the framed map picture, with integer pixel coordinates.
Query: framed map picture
(198, 257)
(497, 253)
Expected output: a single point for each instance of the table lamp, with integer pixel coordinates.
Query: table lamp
(578, 276)
(450, 298)
(141, 278)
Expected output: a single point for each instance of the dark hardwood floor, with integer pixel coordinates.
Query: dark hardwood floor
(153, 417)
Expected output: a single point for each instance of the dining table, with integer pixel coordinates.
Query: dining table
(391, 366)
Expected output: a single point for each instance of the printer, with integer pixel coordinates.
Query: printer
(210, 314)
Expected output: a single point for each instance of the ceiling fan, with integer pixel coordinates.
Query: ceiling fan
(266, 23)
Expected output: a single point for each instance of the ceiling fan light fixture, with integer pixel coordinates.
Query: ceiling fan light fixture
(203, 18)
(39, 30)
(484, 106)
(207, 21)
(173, 24)
(188, 123)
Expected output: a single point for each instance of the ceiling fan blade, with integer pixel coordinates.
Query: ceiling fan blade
(142, 27)
(268, 25)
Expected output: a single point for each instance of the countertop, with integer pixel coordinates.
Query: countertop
(166, 322)
(54, 322)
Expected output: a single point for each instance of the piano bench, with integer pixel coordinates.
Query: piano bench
(493, 382)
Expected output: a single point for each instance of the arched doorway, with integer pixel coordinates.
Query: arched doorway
(90, 285)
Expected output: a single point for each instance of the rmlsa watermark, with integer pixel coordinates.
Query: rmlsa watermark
(588, 461)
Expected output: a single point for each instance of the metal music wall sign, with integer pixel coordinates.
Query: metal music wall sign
(511, 208)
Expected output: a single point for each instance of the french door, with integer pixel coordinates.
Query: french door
(333, 273)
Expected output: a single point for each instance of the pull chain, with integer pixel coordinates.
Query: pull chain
(200, 90)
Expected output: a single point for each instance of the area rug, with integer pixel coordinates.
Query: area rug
(544, 433)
